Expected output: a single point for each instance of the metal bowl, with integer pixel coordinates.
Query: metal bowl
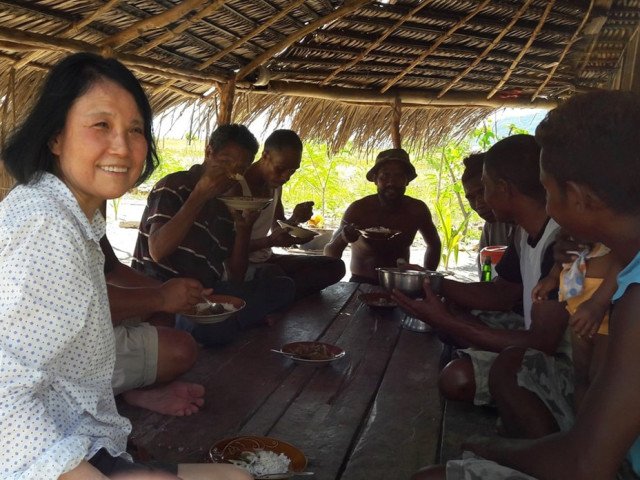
(409, 282)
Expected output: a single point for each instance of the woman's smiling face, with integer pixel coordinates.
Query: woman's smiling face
(102, 149)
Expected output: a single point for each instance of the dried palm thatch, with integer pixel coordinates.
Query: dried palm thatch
(366, 126)
(410, 71)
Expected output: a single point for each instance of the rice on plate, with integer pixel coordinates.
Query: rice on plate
(263, 462)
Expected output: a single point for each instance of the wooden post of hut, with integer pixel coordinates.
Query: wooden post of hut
(395, 123)
(225, 109)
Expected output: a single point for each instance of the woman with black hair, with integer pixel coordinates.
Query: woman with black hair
(87, 139)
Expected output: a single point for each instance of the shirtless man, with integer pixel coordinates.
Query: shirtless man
(389, 208)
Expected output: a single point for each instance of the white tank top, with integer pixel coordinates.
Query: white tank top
(531, 263)
(262, 227)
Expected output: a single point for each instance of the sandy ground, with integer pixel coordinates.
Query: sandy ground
(122, 233)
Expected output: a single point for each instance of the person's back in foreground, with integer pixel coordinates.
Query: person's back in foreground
(589, 167)
(390, 209)
(87, 139)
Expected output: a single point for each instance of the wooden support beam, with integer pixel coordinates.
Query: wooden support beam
(348, 7)
(564, 52)
(382, 38)
(395, 123)
(225, 108)
(406, 96)
(152, 23)
(524, 50)
(135, 62)
(435, 45)
(487, 49)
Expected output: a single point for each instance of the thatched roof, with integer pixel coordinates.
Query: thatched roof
(416, 69)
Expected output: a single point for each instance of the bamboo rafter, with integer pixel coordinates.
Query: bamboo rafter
(283, 13)
(488, 48)
(564, 52)
(165, 37)
(242, 40)
(152, 23)
(348, 7)
(435, 45)
(516, 61)
(73, 28)
(378, 42)
(145, 65)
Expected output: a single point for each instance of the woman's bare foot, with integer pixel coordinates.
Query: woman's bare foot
(175, 398)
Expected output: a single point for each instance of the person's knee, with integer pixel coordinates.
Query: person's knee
(504, 371)
(457, 381)
(177, 348)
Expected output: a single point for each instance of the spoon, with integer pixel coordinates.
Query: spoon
(286, 354)
(209, 302)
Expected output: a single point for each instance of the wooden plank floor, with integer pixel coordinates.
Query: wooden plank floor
(376, 410)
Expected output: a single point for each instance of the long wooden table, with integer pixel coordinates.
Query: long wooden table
(374, 414)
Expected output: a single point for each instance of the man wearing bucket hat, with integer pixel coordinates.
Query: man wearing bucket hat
(381, 227)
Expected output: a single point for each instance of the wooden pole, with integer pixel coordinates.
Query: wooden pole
(225, 109)
(395, 124)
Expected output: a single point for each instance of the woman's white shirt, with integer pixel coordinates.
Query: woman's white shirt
(56, 337)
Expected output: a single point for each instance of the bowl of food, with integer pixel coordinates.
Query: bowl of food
(409, 282)
(262, 457)
(245, 203)
(315, 353)
(378, 233)
(300, 233)
(220, 308)
(377, 300)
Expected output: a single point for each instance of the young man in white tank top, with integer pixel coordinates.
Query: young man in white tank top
(515, 194)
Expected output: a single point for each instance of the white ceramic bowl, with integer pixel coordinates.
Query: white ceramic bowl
(200, 315)
(245, 203)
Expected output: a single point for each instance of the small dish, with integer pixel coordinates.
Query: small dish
(203, 315)
(378, 233)
(245, 203)
(315, 353)
(298, 232)
(377, 300)
(232, 448)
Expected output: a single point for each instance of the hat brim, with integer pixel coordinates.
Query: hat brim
(410, 169)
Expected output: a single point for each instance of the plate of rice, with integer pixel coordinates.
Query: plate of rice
(378, 233)
(261, 456)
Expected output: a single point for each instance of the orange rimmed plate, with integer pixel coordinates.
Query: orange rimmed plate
(231, 449)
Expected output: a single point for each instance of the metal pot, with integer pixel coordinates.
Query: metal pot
(409, 282)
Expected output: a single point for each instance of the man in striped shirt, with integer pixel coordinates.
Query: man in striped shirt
(186, 231)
